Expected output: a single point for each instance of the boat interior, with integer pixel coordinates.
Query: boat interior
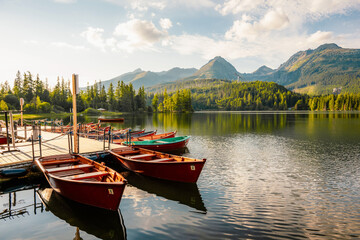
(147, 155)
(78, 168)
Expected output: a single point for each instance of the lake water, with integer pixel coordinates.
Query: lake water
(267, 176)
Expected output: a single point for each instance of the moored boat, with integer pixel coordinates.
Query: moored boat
(157, 136)
(110, 119)
(121, 137)
(167, 144)
(159, 165)
(3, 139)
(83, 180)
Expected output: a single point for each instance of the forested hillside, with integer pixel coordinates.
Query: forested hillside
(200, 94)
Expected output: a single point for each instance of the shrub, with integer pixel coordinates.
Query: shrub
(92, 111)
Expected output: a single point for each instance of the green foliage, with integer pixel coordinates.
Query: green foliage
(12, 100)
(3, 106)
(243, 96)
(92, 111)
(341, 102)
(179, 101)
(206, 94)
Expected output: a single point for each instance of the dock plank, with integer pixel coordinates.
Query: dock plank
(52, 144)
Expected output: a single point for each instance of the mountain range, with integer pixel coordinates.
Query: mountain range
(311, 71)
(316, 71)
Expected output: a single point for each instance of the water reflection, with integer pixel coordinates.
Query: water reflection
(184, 193)
(14, 206)
(98, 222)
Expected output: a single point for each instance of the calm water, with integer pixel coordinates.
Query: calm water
(267, 176)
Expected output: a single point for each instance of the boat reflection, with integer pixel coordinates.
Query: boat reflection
(179, 151)
(101, 223)
(184, 193)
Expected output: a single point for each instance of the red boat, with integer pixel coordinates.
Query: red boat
(110, 119)
(157, 136)
(119, 138)
(162, 145)
(83, 180)
(3, 139)
(159, 165)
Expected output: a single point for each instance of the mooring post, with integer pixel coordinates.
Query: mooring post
(75, 85)
(7, 130)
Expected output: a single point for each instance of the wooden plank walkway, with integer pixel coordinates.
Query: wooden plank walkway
(52, 144)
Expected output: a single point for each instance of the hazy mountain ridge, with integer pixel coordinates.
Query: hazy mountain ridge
(315, 71)
(140, 78)
(318, 71)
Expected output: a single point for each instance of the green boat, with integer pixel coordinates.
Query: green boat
(167, 144)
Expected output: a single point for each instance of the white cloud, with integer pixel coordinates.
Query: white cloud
(94, 37)
(274, 20)
(145, 5)
(320, 37)
(65, 1)
(302, 8)
(140, 5)
(139, 33)
(134, 34)
(165, 23)
(67, 45)
(238, 6)
(245, 29)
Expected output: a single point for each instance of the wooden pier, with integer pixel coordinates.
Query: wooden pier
(51, 144)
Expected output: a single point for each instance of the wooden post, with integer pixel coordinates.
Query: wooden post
(21, 105)
(74, 91)
(12, 129)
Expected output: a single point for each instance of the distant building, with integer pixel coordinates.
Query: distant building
(101, 109)
(337, 90)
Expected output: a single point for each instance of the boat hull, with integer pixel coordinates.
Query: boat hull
(101, 195)
(111, 119)
(179, 171)
(164, 147)
(74, 183)
(3, 140)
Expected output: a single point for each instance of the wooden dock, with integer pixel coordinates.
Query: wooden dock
(51, 144)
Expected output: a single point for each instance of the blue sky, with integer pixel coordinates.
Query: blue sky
(101, 39)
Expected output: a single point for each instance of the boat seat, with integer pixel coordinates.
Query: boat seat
(161, 141)
(162, 160)
(68, 173)
(59, 162)
(67, 168)
(127, 152)
(87, 175)
(142, 156)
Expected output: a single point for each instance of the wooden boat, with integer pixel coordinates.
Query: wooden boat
(110, 119)
(157, 136)
(83, 180)
(167, 144)
(101, 223)
(149, 137)
(3, 139)
(159, 165)
(132, 135)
